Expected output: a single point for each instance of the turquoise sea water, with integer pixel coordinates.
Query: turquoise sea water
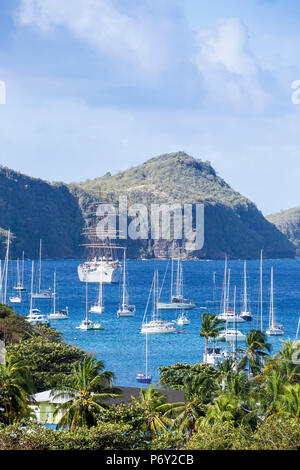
(121, 345)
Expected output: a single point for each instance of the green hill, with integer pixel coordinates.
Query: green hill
(288, 222)
(57, 212)
(233, 224)
(33, 208)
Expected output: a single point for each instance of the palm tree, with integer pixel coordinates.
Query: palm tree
(256, 342)
(223, 409)
(290, 401)
(15, 388)
(211, 326)
(153, 402)
(184, 415)
(91, 387)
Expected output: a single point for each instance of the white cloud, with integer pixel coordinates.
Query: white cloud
(96, 21)
(230, 72)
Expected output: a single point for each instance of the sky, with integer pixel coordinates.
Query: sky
(101, 85)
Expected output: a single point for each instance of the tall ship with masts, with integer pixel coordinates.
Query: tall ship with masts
(102, 265)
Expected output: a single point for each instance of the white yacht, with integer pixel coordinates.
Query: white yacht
(245, 313)
(231, 334)
(57, 314)
(177, 300)
(231, 317)
(35, 317)
(19, 287)
(40, 293)
(183, 319)
(15, 299)
(125, 309)
(156, 325)
(274, 328)
(87, 324)
(98, 307)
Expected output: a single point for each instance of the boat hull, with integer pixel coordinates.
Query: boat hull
(175, 306)
(107, 272)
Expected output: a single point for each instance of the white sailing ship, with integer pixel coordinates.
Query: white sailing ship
(103, 266)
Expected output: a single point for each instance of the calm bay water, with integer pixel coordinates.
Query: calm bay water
(121, 345)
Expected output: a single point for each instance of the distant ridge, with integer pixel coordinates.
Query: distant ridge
(33, 208)
(233, 224)
(288, 222)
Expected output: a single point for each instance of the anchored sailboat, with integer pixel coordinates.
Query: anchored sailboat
(17, 299)
(245, 314)
(145, 378)
(228, 315)
(177, 300)
(35, 317)
(156, 325)
(57, 314)
(87, 324)
(274, 328)
(20, 282)
(41, 294)
(98, 307)
(125, 309)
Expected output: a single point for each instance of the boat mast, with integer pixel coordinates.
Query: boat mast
(31, 290)
(18, 273)
(172, 272)
(23, 269)
(271, 316)
(146, 354)
(86, 301)
(124, 278)
(6, 266)
(40, 266)
(245, 288)
(54, 292)
(261, 290)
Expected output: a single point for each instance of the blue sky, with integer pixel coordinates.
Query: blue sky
(101, 85)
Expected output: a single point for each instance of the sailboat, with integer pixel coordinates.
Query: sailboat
(274, 328)
(245, 314)
(98, 307)
(125, 309)
(41, 294)
(16, 299)
(228, 315)
(35, 317)
(145, 378)
(5, 272)
(177, 300)
(156, 325)
(87, 324)
(231, 334)
(183, 319)
(57, 314)
(20, 282)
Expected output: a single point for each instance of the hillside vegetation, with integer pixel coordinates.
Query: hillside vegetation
(58, 213)
(233, 224)
(288, 222)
